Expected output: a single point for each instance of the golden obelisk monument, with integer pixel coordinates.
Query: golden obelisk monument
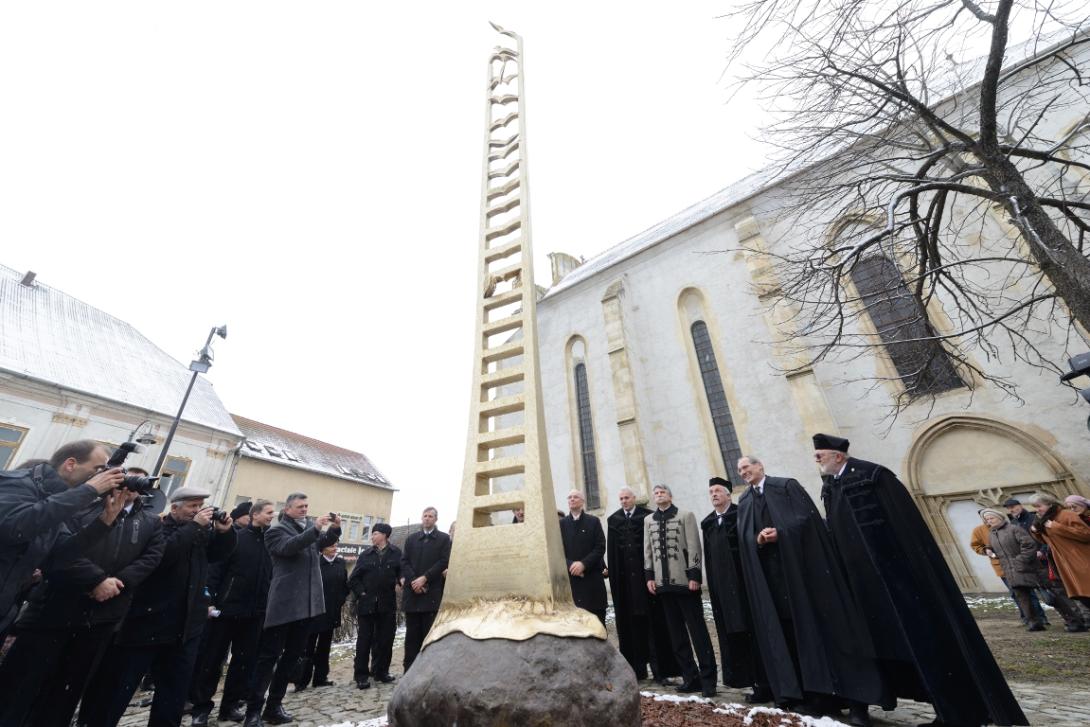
(508, 645)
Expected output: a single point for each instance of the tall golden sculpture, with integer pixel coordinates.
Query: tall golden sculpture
(507, 580)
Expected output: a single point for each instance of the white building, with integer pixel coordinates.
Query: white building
(657, 367)
(70, 371)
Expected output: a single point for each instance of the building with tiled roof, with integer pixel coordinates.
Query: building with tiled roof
(71, 371)
(273, 463)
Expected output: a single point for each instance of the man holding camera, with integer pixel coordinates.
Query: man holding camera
(295, 597)
(71, 616)
(35, 505)
(240, 590)
(164, 625)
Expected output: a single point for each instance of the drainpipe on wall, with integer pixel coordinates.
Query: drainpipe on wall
(229, 473)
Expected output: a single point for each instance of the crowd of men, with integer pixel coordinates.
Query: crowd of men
(100, 595)
(816, 615)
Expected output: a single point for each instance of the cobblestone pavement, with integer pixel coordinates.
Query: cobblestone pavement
(1044, 704)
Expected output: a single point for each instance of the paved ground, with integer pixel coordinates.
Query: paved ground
(1056, 702)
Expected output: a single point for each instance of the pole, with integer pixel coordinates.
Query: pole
(178, 418)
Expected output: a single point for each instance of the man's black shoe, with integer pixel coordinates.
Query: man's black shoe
(300, 687)
(690, 687)
(708, 691)
(323, 683)
(385, 678)
(277, 715)
(859, 715)
(253, 719)
(759, 696)
(231, 714)
(199, 719)
(363, 684)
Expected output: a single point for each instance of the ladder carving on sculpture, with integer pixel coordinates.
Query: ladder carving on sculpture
(507, 579)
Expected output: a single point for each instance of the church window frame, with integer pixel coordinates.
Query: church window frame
(722, 420)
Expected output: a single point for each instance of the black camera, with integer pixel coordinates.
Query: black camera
(219, 516)
(134, 483)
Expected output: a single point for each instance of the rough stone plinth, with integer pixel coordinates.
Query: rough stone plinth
(545, 681)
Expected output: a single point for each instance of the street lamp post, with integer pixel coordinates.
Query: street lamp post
(199, 366)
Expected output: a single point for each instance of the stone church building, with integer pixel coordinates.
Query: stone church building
(658, 367)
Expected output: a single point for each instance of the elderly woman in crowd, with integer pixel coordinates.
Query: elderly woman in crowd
(1017, 555)
(1068, 540)
(978, 541)
(1080, 506)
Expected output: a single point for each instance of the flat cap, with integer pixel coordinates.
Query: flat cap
(828, 441)
(243, 508)
(720, 481)
(1011, 502)
(383, 528)
(189, 493)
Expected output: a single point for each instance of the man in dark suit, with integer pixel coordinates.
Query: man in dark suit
(374, 580)
(316, 654)
(584, 549)
(427, 554)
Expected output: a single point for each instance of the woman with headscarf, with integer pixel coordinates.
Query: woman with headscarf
(1068, 541)
(1017, 554)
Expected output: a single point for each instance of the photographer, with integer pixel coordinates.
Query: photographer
(295, 597)
(34, 506)
(163, 629)
(240, 589)
(69, 619)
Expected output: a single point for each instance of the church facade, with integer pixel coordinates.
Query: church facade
(659, 365)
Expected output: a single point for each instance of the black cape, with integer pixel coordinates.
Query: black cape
(835, 655)
(926, 637)
(641, 624)
(730, 609)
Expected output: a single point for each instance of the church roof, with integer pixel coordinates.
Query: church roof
(49, 336)
(279, 446)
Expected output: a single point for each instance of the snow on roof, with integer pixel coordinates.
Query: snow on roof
(50, 336)
(272, 444)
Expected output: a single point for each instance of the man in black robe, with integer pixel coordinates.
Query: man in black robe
(584, 550)
(730, 610)
(812, 652)
(641, 625)
(928, 645)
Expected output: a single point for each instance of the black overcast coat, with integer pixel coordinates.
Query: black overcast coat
(425, 555)
(35, 505)
(723, 566)
(171, 606)
(913, 607)
(373, 580)
(584, 541)
(624, 555)
(335, 590)
(835, 655)
(130, 552)
(240, 584)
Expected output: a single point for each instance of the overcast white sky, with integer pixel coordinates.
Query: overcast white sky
(308, 174)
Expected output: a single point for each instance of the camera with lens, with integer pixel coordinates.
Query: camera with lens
(219, 516)
(135, 483)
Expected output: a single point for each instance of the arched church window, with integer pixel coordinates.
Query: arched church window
(722, 420)
(586, 437)
(901, 321)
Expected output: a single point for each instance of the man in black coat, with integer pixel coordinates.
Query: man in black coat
(585, 550)
(813, 653)
(315, 662)
(70, 617)
(730, 610)
(374, 580)
(163, 628)
(929, 646)
(239, 587)
(35, 506)
(641, 625)
(427, 554)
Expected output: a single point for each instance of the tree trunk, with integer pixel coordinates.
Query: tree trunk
(1061, 262)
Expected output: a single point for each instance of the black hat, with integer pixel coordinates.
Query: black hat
(243, 508)
(828, 441)
(1012, 502)
(720, 481)
(383, 528)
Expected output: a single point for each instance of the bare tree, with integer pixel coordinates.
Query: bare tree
(955, 161)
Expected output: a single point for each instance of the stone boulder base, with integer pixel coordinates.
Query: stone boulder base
(545, 681)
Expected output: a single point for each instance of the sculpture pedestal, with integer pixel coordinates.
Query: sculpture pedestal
(543, 681)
